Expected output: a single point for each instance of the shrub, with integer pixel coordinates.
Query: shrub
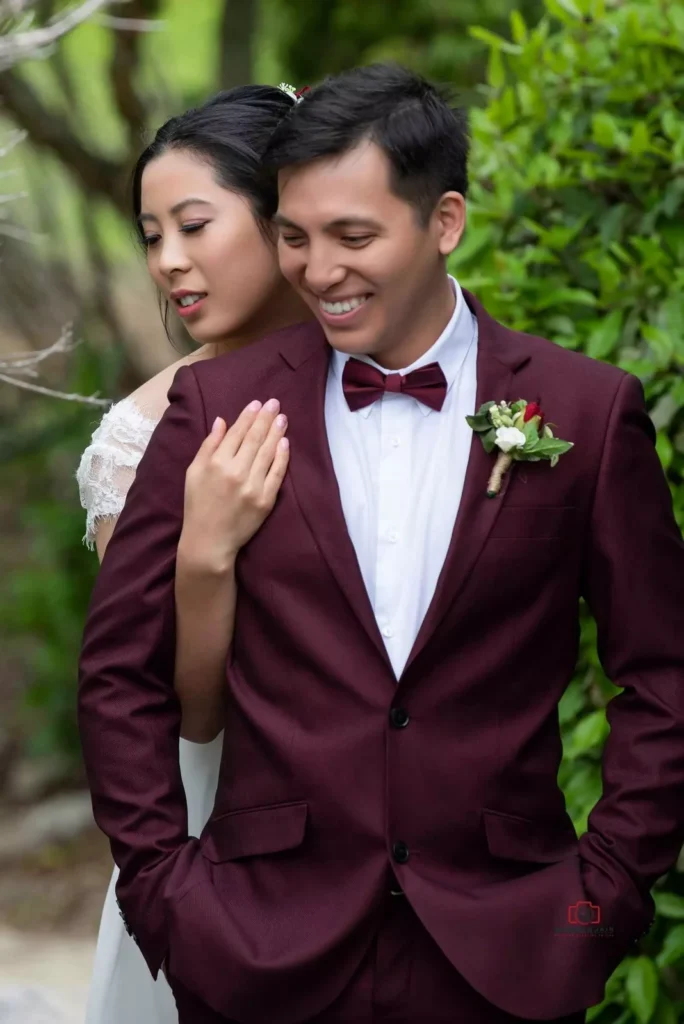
(576, 233)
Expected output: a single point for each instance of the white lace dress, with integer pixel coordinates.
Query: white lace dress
(122, 991)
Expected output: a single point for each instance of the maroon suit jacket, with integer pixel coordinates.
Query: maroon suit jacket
(321, 794)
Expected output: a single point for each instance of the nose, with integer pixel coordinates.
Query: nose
(172, 256)
(323, 269)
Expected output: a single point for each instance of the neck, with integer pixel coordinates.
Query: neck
(285, 311)
(436, 313)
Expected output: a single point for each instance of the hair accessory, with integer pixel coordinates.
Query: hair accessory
(295, 94)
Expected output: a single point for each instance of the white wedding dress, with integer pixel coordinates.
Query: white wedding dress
(122, 990)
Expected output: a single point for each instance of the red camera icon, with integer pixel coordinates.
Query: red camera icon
(584, 912)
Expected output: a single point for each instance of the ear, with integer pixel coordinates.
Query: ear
(450, 220)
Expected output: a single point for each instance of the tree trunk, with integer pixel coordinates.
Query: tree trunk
(237, 42)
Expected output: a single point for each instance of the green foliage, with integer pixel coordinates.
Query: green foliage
(318, 39)
(576, 233)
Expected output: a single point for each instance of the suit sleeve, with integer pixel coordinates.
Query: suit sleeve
(128, 712)
(634, 585)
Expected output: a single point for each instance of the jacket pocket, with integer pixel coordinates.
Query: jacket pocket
(515, 522)
(515, 838)
(254, 831)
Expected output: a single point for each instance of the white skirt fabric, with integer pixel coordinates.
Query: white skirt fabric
(122, 988)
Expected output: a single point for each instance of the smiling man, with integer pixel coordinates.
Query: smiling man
(389, 841)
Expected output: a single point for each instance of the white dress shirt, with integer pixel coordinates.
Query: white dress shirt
(400, 468)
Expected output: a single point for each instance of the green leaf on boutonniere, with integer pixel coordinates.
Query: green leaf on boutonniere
(480, 422)
(489, 440)
(531, 432)
(549, 447)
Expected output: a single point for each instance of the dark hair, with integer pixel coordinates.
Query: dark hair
(230, 131)
(414, 122)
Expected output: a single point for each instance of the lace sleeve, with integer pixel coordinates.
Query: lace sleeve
(107, 467)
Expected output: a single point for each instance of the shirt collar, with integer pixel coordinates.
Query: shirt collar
(449, 350)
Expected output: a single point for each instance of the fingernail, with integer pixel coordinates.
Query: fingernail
(283, 443)
(254, 406)
(215, 424)
(272, 405)
(281, 421)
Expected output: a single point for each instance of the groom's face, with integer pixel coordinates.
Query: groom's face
(360, 255)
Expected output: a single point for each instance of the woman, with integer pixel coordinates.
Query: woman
(201, 203)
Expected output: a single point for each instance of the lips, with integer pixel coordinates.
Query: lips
(188, 303)
(343, 312)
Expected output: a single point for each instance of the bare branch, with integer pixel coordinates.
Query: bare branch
(17, 366)
(130, 24)
(51, 393)
(16, 46)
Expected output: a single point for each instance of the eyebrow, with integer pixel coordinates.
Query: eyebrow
(341, 222)
(178, 208)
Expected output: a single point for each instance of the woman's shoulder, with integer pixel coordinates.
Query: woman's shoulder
(108, 464)
(150, 400)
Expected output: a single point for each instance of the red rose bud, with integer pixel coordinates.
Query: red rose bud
(533, 409)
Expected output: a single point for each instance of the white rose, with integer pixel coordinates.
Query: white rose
(509, 437)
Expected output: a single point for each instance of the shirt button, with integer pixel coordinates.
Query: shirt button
(399, 717)
(400, 852)
(393, 536)
(387, 631)
(394, 441)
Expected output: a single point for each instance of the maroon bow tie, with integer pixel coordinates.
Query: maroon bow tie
(363, 384)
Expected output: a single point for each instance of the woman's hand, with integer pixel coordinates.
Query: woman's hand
(231, 487)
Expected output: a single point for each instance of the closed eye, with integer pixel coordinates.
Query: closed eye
(357, 240)
(191, 229)
(292, 239)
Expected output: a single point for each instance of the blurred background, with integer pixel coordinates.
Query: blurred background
(575, 232)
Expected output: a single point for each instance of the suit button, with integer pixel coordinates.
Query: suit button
(400, 852)
(399, 717)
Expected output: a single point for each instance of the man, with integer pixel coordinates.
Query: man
(389, 841)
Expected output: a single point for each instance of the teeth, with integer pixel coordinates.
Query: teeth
(189, 300)
(336, 308)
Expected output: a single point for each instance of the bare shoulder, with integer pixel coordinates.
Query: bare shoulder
(151, 398)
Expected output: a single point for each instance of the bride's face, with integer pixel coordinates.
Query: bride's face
(205, 251)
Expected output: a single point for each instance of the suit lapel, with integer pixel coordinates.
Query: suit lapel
(499, 357)
(312, 472)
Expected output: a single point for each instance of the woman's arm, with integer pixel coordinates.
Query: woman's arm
(231, 487)
(205, 614)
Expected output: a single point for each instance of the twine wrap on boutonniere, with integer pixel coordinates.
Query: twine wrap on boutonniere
(519, 433)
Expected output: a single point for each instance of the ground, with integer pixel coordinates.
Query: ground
(50, 904)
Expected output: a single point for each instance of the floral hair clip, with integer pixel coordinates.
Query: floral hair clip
(294, 94)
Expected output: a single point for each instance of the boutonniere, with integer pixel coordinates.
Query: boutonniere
(519, 433)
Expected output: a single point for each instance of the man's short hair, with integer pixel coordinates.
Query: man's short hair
(422, 134)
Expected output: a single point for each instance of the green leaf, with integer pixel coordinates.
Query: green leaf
(605, 130)
(480, 422)
(548, 447)
(666, 1011)
(491, 39)
(489, 441)
(642, 988)
(518, 27)
(561, 8)
(641, 140)
(673, 947)
(589, 734)
(669, 905)
(565, 296)
(496, 72)
(605, 335)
